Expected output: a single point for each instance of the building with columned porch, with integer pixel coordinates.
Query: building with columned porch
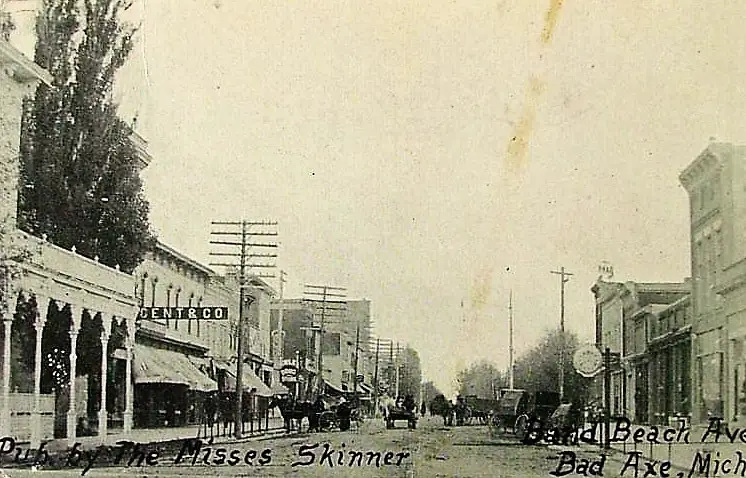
(48, 299)
(75, 358)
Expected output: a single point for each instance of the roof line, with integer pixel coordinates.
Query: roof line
(29, 69)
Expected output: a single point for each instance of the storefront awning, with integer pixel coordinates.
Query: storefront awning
(153, 365)
(250, 379)
(333, 389)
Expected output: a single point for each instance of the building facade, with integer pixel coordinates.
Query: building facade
(343, 347)
(299, 348)
(77, 359)
(167, 278)
(716, 184)
(629, 322)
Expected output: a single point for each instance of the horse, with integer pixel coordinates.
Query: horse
(463, 414)
(442, 407)
(210, 412)
(226, 415)
(386, 404)
(292, 410)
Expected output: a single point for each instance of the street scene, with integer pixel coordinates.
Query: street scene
(450, 239)
(430, 450)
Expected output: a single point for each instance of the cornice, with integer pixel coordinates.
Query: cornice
(707, 162)
(21, 68)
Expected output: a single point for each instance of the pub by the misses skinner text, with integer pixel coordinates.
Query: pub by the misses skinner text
(196, 452)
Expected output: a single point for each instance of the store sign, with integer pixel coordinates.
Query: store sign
(587, 360)
(184, 313)
(288, 374)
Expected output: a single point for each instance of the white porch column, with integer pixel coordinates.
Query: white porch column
(7, 311)
(129, 389)
(103, 416)
(72, 412)
(42, 306)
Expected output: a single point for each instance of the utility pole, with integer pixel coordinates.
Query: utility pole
(326, 293)
(392, 367)
(564, 278)
(396, 368)
(357, 351)
(511, 372)
(280, 341)
(245, 300)
(607, 397)
(375, 378)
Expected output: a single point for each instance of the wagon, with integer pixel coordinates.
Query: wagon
(517, 408)
(481, 408)
(508, 409)
(397, 413)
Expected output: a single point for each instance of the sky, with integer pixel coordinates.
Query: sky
(432, 156)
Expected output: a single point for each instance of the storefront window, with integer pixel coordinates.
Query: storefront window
(739, 380)
(710, 373)
(684, 375)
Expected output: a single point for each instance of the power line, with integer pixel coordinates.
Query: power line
(325, 292)
(242, 229)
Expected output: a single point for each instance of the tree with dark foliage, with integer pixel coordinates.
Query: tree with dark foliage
(538, 369)
(482, 379)
(80, 181)
(6, 22)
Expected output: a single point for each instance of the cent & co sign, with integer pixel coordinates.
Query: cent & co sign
(184, 313)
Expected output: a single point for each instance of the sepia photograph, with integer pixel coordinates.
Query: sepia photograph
(372, 238)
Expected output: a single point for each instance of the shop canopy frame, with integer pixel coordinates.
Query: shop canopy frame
(250, 380)
(160, 366)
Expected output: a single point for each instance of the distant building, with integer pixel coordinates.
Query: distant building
(628, 315)
(299, 345)
(669, 352)
(343, 349)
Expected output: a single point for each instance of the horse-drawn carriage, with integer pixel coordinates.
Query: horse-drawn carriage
(480, 409)
(394, 414)
(517, 408)
(324, 414)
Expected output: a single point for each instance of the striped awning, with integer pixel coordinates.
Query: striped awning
(250, 380)
(153, 365)
(334, 388)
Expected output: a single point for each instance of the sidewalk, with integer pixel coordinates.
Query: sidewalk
(161, 435)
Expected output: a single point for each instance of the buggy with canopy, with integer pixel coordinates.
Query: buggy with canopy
(517, 408)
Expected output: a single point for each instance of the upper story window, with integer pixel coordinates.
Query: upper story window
(169, 289)
(143, 281)
(154, 283)
(199, 304)
(189, 321)
(177, 293)
(703, 196)
(714, 189)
